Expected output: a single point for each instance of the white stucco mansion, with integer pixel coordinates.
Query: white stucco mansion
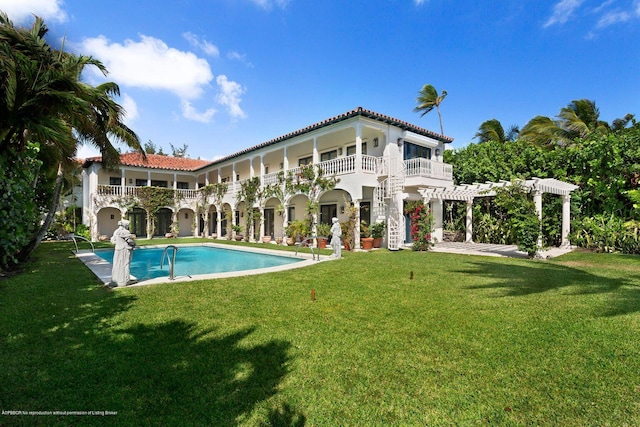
(381, 163)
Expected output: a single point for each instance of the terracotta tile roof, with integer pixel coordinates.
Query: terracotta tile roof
(339, 118)
(156, 161)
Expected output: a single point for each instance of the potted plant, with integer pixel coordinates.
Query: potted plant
(297, 231)
(377, 232)
(322, 230)
(366, 241)
(266, 239)
(237, 229)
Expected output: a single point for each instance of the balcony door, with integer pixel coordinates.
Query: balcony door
(269, 221)
(414, 151)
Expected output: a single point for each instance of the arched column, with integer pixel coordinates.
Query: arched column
(219, 221)
(356, 206)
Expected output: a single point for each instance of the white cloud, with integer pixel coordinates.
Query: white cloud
(22, 11)
(207, 47)
(235, 56)
(150, 63)
(131, 109)
(562, 11)
(419, 2)
(613, 17)
(190, 113)
(229, 96)
(268, 4)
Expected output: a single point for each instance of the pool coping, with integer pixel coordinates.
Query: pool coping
(102, 269)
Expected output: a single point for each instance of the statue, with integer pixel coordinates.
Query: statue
(336, 238)
(120, 274)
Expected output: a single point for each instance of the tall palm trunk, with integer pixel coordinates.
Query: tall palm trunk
(26, 252)
(440, 117)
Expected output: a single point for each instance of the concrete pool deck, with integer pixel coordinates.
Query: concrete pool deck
(102, 268)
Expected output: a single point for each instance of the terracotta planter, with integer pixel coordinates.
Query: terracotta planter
(377, 242)
(322, 242)
(347, 246)
(366, 243)
(266, 239)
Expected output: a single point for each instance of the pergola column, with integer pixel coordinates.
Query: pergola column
(436, 210)
(566, 220)
(469, 233)
(537, 199)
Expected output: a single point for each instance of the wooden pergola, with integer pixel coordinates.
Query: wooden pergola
(539, 186)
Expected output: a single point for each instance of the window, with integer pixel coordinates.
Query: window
(141, 182)
(351, 150)
(305, 161)
(182, 185)
(327, 212)
(115, 180)
(414, 151)
(291, 213)
(266, 169)
(156, 183)
(329, 155)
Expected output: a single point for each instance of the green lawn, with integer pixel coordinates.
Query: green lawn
(468, 341)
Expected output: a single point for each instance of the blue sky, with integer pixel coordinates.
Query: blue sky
(223, 75)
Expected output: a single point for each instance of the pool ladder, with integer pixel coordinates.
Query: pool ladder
(170, 261)
(75, 242)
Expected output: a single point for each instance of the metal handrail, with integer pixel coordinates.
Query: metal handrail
(171, 262)
(308, 242)
(74, 237)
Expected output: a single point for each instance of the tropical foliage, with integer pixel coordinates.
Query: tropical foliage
(43, 102)
(602, 159)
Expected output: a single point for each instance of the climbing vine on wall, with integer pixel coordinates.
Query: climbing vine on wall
(421, 225)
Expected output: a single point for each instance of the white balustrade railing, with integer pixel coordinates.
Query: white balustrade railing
(428, 169)
(343, 165)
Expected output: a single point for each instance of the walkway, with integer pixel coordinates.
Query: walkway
(486, 249)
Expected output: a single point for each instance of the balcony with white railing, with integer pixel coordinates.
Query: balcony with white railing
(424, 168)
(107, 191)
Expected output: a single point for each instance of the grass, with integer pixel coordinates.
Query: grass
(468, 341)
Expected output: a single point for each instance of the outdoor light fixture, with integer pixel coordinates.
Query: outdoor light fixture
(342, 209)
(437, 151)
(186, 215)
(340, 151)
(375, 141)
(400, 142)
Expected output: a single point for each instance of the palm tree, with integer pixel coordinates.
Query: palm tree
(43, 100)
(490, 130)
(579, 119)
(428, 99)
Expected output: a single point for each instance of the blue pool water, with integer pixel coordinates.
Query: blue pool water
(191, 260)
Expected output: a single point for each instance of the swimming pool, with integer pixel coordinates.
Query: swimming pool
(197, 261)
